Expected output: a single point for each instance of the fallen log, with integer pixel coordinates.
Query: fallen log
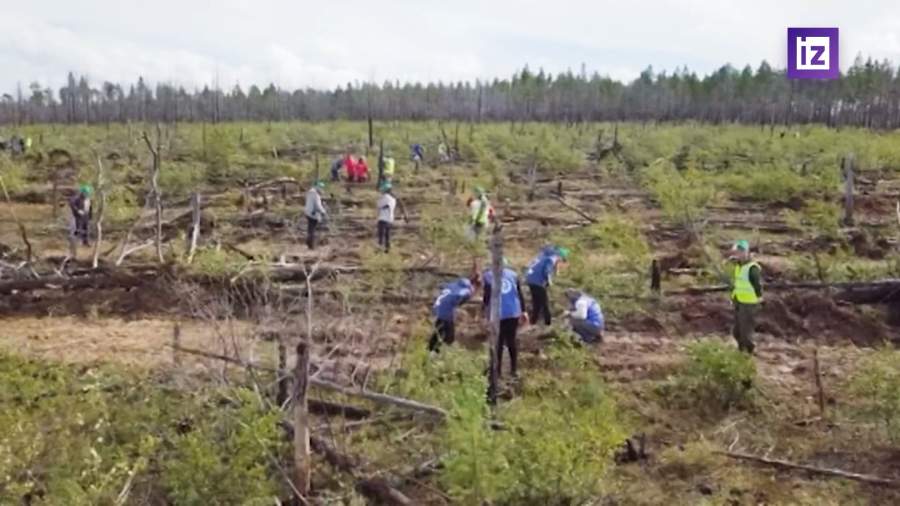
(111, 280)
(376, 489)
(865, 478)
(575, 209)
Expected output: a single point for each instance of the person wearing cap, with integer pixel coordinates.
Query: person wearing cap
(315, 212)
(539, 278)
(444, 308)
(82, 213)
(585, 316)
(480, 212)
(386, 205)
(512, 313)
(746, 295)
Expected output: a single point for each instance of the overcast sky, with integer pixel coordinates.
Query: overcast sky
(325, 43)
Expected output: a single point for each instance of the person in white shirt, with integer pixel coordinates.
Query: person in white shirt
(315, 212)
(386, 205)
(585, 316)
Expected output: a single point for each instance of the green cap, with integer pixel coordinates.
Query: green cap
(742, 245)
(86, 189)
(320, 184)
(564, 252)
(385, 187)
(479, 191)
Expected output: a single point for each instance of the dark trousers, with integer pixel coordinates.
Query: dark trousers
(508, 330)
(744, 326)
(445, 331)
(311, 224)
(384, 235)
(540, 304)
(81, 229)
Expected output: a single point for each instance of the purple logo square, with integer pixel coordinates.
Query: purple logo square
(812, 53)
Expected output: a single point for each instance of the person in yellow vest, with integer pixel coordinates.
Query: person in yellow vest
(746, 295)
(389, 166)
(480, 212)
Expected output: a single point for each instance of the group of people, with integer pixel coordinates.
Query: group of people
(316, 214)
(357, 171)
(584, 313)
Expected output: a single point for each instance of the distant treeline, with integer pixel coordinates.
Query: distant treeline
(867, 95)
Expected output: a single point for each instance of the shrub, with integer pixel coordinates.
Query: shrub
(226, 461)
(216, 262)
(877, 385)
(558, 437)
(818, 218)
(716, 376)
(683, 196)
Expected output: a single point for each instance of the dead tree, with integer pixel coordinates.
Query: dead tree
(496, 291)
(98, 224)
(848, 190)
(302, 464)
(154, 183)
(22, 232)
(195, 225)
(532, 176)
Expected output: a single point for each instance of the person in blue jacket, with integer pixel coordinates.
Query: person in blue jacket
(539, 277)
(512, 313)
(451, 297)
(585, 316)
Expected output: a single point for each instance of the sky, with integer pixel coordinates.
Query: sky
(328, 43)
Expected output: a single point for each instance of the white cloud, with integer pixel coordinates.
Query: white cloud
(324, 44)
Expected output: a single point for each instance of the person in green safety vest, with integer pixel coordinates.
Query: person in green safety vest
(746, 295)
(389, 166)
(480, 212)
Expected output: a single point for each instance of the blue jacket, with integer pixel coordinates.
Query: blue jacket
(594, 313)
(542, 268)
(512, 304)
(452, 296)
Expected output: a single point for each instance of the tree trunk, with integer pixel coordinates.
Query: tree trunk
(302, 465)
(496, 291)
(848, 190)
(195, 226)
(98, 225)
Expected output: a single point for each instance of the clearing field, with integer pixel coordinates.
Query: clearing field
(154, 379)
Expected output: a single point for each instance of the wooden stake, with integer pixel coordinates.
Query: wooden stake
(176, 345)
(820, 392)
(848, 190)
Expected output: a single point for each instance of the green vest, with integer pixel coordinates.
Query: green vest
(389, 165)
(743, 291)
(480, 216)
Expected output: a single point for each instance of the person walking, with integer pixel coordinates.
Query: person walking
(452, 296)
(539, 278)
(585, 316)
(386, 205)
(746, 295)
(512, 314)
(315, 212)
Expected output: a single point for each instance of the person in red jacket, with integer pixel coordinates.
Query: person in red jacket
(362, 170)
(350, 166)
